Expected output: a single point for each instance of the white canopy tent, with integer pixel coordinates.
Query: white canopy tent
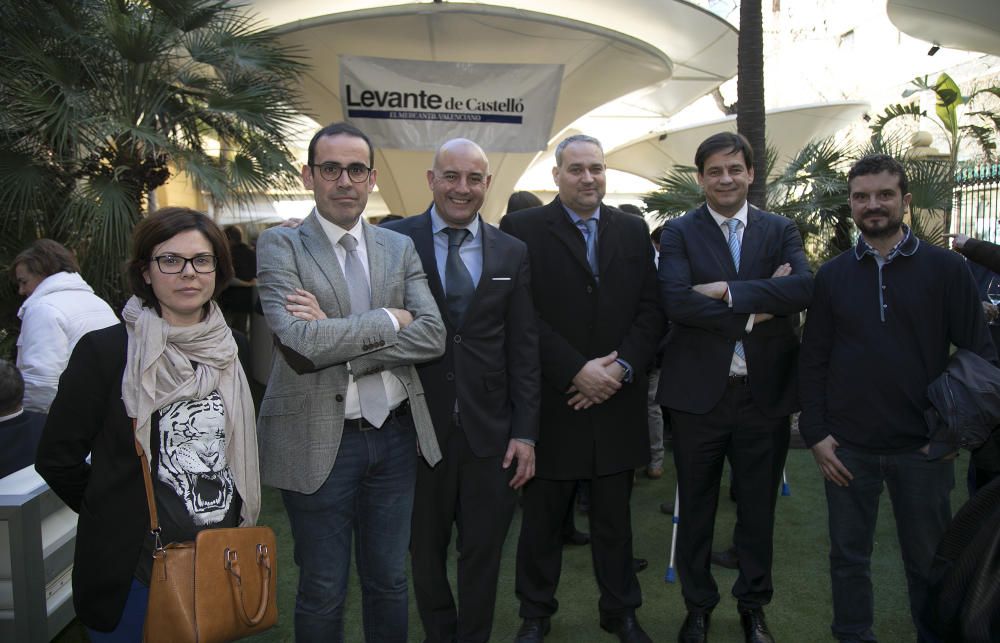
(969, 25)
(788, 129)
(669, 50)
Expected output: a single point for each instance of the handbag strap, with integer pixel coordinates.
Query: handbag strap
(147, 479)
(236, 583)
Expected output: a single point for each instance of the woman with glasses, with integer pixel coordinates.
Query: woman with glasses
(168, 376)
(60, 308)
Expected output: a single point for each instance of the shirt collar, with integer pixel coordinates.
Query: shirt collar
(20, 411)
(740, 216)
(906, 246)
(335, 232)
(438, 224)
(576, 218)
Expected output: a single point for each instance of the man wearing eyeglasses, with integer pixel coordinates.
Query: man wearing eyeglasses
(344, 417)
(483, 396)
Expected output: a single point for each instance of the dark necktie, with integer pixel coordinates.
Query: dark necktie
(371, 388)
(458, 282)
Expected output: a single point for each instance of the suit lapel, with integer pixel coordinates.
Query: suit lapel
(317, 244)
(569, 235)
(606, 248)
(753, 238)
(715, 242)
(491, 265)
(377, 258)
(423, 240)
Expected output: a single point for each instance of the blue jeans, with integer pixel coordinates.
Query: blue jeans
(920, 493)
(368, 496)
(129, 628)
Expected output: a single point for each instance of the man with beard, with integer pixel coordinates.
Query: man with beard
(878, 332)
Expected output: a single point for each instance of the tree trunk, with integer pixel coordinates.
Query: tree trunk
(750, 94)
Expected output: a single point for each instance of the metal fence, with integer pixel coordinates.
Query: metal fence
(977, 202)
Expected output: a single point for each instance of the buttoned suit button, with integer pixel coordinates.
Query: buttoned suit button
(450, 377)
(339, 397)
(590, 289)
(458, 339)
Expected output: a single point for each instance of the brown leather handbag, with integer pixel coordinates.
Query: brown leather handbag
(221, 587)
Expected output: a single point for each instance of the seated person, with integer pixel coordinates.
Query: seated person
(19, 429)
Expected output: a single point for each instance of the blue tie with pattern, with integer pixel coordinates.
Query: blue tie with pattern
(734, 249)
(589, 228)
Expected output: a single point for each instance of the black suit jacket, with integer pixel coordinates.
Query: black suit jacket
(491, 362)
(579, 320)
(88, 416)
(699, 346)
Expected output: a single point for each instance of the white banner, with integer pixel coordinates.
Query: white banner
(418, 105)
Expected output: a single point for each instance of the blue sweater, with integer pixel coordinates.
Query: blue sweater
(876, 337)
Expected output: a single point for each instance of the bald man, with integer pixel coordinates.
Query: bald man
(483, 395)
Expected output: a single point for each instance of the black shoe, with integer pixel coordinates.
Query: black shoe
(533, 630)
(755, 627)
(727, 558)
(667, 508)
(639, 564)
(577, 538)
(694, 629)
(626, 628)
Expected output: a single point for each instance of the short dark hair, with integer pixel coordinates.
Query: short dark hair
(656, 234)
(389, 218)
(522, 200)
(576, 138)
(728, 142)
(11, 388)
(337, 129)
(45, 257)
(631, 208)
(233, 233)
(162, 225)
(876, 164)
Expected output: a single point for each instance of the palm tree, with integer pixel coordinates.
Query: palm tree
(750, 93)
(102, 101)
(975, 129)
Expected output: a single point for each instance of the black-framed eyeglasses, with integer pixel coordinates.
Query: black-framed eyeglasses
(356, 172)
(173, 264)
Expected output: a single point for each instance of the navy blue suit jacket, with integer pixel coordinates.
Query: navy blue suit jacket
(703, 331)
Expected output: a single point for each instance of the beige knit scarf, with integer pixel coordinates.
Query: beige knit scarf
(160, 370)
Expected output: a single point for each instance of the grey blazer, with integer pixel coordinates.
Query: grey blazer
(302, 414)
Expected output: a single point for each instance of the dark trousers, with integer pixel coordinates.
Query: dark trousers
(756, 446)
(920, 492)
(472, 493)
(539, 550)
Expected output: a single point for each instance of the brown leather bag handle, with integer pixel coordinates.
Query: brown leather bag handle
(236, 583)
(154, 520)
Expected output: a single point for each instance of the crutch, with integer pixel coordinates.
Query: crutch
(671, 575)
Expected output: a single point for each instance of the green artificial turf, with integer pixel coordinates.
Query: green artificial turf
(800, 610)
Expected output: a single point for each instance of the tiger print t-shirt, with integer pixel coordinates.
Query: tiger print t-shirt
(192, 481)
